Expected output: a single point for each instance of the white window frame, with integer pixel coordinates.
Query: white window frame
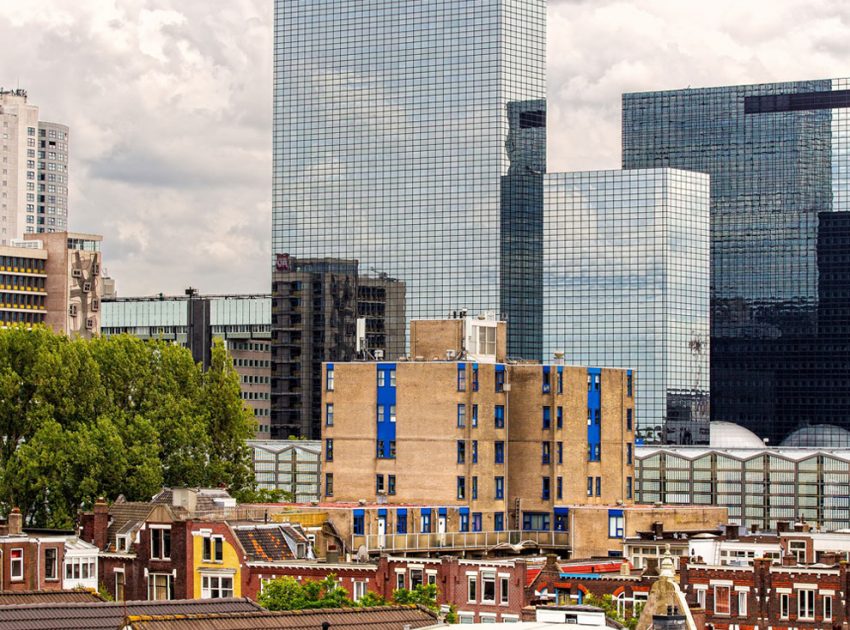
(16, 565)
(701, 597)
(214, 543)
(504, 590)
(615, 526)
(169, 585)
(54, 563)
(784, 605)
(359, 589)
(215, 583)
(827, 607)
(806, 603)
(116, 573)
(472, 589)
(728, 600)
(158, 530)
(742, 603)
(487, 578)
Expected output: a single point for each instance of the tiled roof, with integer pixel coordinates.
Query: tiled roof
(46, 597)
(96, 615)
(266, 543)
(204, 498)
(122, 516)
(379, 618)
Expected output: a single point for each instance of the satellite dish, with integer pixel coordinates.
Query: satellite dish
(362, 554)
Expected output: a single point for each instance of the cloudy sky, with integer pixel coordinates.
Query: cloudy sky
(169, 103)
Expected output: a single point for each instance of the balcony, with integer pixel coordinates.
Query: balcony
(509, 540)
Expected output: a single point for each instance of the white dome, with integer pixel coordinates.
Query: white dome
(731, 435)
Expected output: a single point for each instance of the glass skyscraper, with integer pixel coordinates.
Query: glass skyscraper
(780, 308)
(409, 135)
(626, 284)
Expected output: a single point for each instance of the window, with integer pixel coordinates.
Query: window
(498, 521)
(329, 450)
(474, 377)
(51, 564)
(629, 454)
(381, 378)
(560, 452)
(392, 449)
(329, 484)
(461, 487)
(486, 340)
(805, 604)
(379, 484)
(425, 521)
(16, 564)
(461, 451)
(461, 377)
(474, 488)
(359, 590)
(379, 453)
(119, 586)
(500, 378)
(546, 380)
(381, 415)
(559, 418)
(476, 521)
(629, 384)
(701, 598)
(329, 414)
(615, 523)
(390, 484)
(629, 419)
(559, 488)
(545, 489)
(464, 522)
(500, 487)
(629, 491)
(359, 525)
(399, 579)
(216, 586)
(472, 588)
(160, 586)
(329, 379)
(742, 604)
(474, 415)
(392, 378)
(784, 605)
(499, 417)
(797, 548)
(721, 600)
(499, 452)
(599, 486)
(560, 381)
(547, 417)
(561, 516)
(392, 411)
(401, 522)
(827, 607)
(544, 458)
(590, 486)
(461, 416)
(535, 521)
(488, 588)
(161, 543)
(213, 549)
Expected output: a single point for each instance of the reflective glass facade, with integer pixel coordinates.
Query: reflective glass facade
(758, 486)
(777, 156)
(627, 285)
(407, 135)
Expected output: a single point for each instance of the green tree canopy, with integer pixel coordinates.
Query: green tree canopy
(120, 416)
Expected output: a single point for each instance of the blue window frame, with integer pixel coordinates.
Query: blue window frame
(629, 384)
(547, 387)
(390, 484)
(329, 484)
(628, 453)
(615, 523)
(474, 451)
(599, 486)
(590, 486)
(461, 451)
(498, 521)
(401, 520)
(499, 452)
(628, 487)
(500, 487)
(547, 417)
(329, 377)
(461, 487)
(379, 446)
(545, 456)
(546, 488)
(425, 521)
(559, 488)
(329, 450)
(560, 380)
(476, 521)
(359, 522)
(560, 452)
(461, 377)
(329, 414)
(475, 377)
(500, 378)
(535, 521)
(464, 520)
(559, 418)
(379, 483)
(461, 415)
(629, 419)
(561, 519)
(474, 415)
(474, 488)
(499, 416)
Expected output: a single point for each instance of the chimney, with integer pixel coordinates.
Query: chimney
(789, 560)
(15, 522)
(782, 526)
(626, 568)
(101, 523)
(731, 531)
(658, 529)
(829, 558)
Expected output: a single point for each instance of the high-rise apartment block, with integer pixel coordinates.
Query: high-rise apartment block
(626, 255)
(34, 178)
(509, 445)
(409, 135)
(777, 157)
(325, 310)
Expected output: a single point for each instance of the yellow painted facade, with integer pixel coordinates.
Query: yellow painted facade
(230, 564)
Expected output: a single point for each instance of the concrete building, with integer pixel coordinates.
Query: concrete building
(34, 179)
(325, 310)
(290, 465)
(626, 255)
(23, 285)
(243, 322)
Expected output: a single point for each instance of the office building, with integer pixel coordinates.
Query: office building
(34, 179)
(409, 135)
(325, 310)
(777, 157)
(627, 285)
(289, 465)
(243, 322)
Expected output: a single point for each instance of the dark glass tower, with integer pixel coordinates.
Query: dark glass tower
(777, 157)
(396, 127)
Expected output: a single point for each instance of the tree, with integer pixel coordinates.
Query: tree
(287, 593)
(606, 603)
(81, 419)
(422, 594)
